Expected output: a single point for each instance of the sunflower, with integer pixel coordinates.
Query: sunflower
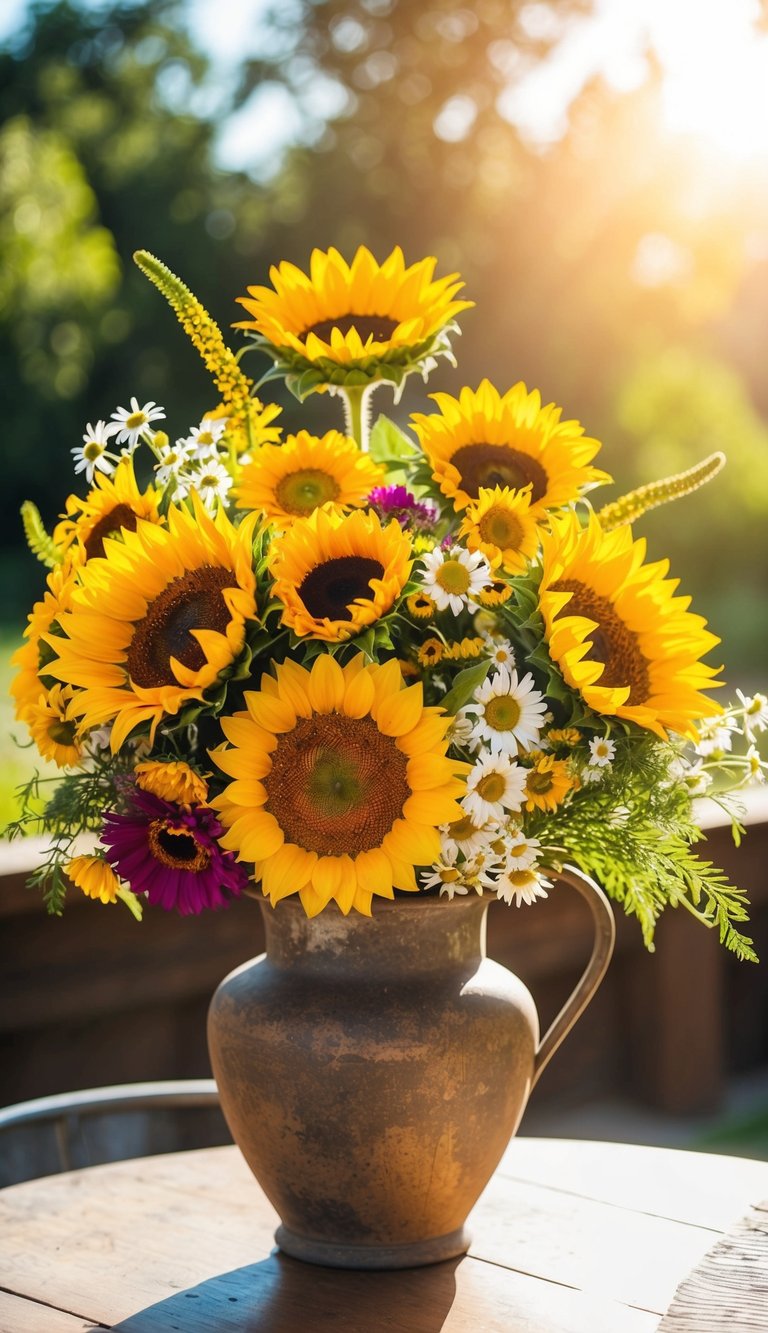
(340, 781)
(114, 504)
(483, 440)
(618, 633)
(292, 480)
(496, 594)
(173, 780)
(51, 728)
(336, 575)
(157, 621)
(547, 783)
(500, 524)
(31, 683)
(95, 877)
(382, 320)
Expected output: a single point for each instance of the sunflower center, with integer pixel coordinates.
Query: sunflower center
(453, 577)
(62, 732)
(191, 602)
(337, 784)
(613, 643)
(501, 528)
(122, 516)
(491, 787)
(303, 491)
(539, 781)
(329, 590)
(176, 848)
(492, 465)
(378, 327)
(502, 712)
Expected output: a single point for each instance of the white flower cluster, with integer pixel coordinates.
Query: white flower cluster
(127, 426)
(194, 463)
(487, 857)
(713, 749)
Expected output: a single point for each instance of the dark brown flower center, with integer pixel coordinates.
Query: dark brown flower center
(122, 516)
(337, 784)
(192, 601)
(329, 590)
(176, 848)
(379, 327)
(502, 465)
(62, 732)
(302, 491)
(612, 643)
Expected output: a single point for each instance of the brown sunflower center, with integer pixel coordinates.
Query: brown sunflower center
(122, 516)
(302, 491)
(329, 590)
(337, 784)
(192, 601)
(378, 327)
(612, 643)
(502, 465)
(501, 528)
(540, 781)
(62, 732)
(176, 848)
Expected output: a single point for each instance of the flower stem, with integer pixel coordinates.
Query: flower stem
(357, 413)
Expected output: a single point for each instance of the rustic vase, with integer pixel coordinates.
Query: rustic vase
(372, 1071)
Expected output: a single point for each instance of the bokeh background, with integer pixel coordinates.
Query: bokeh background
(597, 171)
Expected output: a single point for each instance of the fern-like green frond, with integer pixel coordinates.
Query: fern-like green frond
(40, 543)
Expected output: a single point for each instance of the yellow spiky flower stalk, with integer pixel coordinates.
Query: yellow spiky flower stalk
(248, 417)
(628, 508)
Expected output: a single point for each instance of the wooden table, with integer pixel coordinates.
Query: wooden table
(569, 1237)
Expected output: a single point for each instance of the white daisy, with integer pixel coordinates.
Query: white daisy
(495, 785)
(756, 766)
(133, 421)
(510, 712)
(205, 437)
(601, 752)
(501, 652)
(591, 774)
(755, 713)
(715, 737)
(461, 729)
(478, 873)
(464, 836)
(172, 462)
(92, 455)
(519, 852)
(522, 886)
(451, 577)
(212, 482)
(444, 875)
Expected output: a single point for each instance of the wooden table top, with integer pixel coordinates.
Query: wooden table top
(569, 1237)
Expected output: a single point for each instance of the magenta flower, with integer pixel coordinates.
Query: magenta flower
(397, 502)
(171, 854)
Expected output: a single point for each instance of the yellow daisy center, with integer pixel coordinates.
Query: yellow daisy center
(337, 784)
(613, 643)
(205, 437)
(176, 848)
(488, 465)
(491, 787)
(135, 420)
(502, 712)
(461, 830)
(453, 577)
(191, 602)
(329, 589)
(449, 876)
(378, 327)
(501, 528)
(122, 516)
(302, 491)
(93, 450)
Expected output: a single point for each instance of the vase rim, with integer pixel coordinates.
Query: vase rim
(414, 901)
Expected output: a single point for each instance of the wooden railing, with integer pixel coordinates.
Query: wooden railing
(97, 998)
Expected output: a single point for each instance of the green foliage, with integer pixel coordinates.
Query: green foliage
(40, 543)
(464, 686)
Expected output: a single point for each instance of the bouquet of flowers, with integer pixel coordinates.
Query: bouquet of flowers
(367, 662)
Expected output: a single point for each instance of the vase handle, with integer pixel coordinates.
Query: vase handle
(605, 936)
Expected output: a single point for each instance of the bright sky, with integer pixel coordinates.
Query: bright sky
(714, 62)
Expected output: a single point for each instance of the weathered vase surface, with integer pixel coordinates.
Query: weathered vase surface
(372, 1072)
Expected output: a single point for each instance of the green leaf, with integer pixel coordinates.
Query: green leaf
(38, 540)
(388, 443)
(135, 907)
(465, 685)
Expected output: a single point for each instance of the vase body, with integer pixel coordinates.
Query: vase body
(372, 1072)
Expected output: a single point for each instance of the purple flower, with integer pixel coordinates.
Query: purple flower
(397, 502)
(172, 855)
